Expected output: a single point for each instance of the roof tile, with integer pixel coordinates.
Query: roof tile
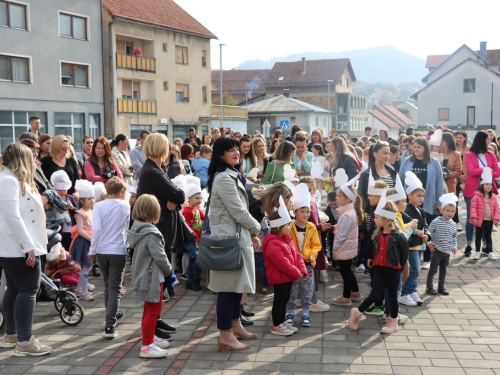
(241, 81)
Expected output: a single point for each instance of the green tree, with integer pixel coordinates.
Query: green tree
(227, 99)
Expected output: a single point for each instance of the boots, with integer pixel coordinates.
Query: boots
(241, 332)
(227, 341)
(196, 284)
(391, 326)
(354, 319)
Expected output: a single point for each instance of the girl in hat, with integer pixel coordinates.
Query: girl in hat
(62, 184)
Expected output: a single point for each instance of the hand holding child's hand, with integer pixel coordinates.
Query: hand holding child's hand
(474, 222)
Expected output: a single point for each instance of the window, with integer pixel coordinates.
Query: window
(135, 130)
(203, 58)
(165, 85)
(471, 116)
(95, 124)
(292, 119)
(131, 90)
(74, 75)
(281, 78)
(70, 124)
(163, 129)
(15, 123)
(164, 47)
(72, 26)
(14, 69)
(181, 55)
(13, 15)
(204, 94)
(346, 82)
(469, 85)
(182, 92)
(443, 114)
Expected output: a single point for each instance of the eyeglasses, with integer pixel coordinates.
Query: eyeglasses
(65, 149)
(89, 143)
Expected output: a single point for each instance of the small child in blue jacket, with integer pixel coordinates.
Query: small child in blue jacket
(200, 165)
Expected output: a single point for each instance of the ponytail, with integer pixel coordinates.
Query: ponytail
(120, 137)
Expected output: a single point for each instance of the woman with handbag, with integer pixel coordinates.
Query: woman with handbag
(229, 216)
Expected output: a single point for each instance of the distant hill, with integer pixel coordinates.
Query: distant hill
(379, 64)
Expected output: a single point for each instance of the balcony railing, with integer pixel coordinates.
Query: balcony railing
(230, 111)
(137, 63)
(147, 107)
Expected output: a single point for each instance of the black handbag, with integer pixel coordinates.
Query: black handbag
(222, 254)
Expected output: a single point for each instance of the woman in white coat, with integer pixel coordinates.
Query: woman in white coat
(122, 158)
(229, 207)
(24, 240)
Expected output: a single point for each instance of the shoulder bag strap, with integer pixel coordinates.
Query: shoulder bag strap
(274, 170)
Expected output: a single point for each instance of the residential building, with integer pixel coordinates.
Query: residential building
(387, 117)
(51, 67)
(242, 85)
(166, 87)
(408, 109)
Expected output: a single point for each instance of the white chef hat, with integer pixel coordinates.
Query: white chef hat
(193, 180)
(435, 139)
(340, 177)
(179, 181)
(301, 196)
(54, 252)
(253, 173)
(288, 172)
(413, 182)
(290, 185)
(486, 176)
(99, 191)
(85, 188)
(60, 180)
(317, 171)
(205, 195)
(449, 198)
(346, 188)
(192, 189)
(372, 190)
(400, 191)
(381, 211)
(283, 213)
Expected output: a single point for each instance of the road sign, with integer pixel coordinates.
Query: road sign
(285, 124)
(266, 126)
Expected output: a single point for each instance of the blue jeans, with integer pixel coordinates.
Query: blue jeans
(193, 270)
(411, 282)
(259, 261)
(469, 228)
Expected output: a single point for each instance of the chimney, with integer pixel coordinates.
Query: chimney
(482, 49)
(303, 65)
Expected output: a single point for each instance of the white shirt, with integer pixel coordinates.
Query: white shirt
(109, 227)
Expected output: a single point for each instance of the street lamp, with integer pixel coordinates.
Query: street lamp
(220, 95)
(329, 115)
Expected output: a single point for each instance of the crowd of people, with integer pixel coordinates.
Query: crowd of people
(375, 206)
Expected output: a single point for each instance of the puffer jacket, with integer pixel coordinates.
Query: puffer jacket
(397, 250)
(349, 247)
(477, 208)
(312, 243)
(283, 263)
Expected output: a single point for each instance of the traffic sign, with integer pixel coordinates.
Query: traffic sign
(285, 124)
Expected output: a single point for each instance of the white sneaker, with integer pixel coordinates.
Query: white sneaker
(477, 256)
(91, 287)
(290, 327)
(414, 296)
(402, 319)
(161, 343)
(360, 269)
(152, 351)
(426, 265)
(407, 300)
(459, 227)
(319, 307)
(492, 256)
(494, 229)
(281, 330)
(176, 282)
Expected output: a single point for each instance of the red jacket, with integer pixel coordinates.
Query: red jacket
(477, 208)
(283, 263)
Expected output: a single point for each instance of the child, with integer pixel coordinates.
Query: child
(59, 266)
(150, 269)
(419, 237)
(484, 213)
(132, 190)
(318, 174)
(333, 216)
(109, 242)
(345, 246)
(444, 242)
(389, 257)
(284, 265)
(81, 234)
(319, 155)
(200, 165)
(61, 182)
(194, 218)
(306, 240)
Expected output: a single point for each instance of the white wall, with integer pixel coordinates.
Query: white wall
(376, 124)
(462, 54)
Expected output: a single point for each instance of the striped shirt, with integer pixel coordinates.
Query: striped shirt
(443, 235)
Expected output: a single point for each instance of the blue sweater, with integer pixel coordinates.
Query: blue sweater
(200, 166)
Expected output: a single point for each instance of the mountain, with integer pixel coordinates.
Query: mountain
(378, 64)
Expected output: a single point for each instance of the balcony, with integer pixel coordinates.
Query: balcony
(229, 111)
(141, 107)
(137, 63)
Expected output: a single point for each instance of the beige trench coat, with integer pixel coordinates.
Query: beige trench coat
(228, 206)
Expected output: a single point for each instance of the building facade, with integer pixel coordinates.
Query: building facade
(51, 67)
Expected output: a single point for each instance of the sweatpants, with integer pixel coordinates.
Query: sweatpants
(306, 287)
(149, 319)
(383, 277)
(438, 260)
(112, 269)
(281, 297)
(350, 282)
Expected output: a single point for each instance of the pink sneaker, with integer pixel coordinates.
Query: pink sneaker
(341, 301)
(87, 296)
(354, 319)
(357, 296)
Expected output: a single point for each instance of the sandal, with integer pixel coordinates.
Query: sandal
(264, 289)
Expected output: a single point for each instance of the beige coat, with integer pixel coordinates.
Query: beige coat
(122, 159)
(228, 206)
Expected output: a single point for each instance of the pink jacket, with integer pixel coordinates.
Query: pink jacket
(477, 208)
(475, 168)
(349, 248)
(283, 263)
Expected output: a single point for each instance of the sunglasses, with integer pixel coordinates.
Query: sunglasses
(89, 143)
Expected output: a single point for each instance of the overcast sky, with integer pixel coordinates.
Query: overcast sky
(262, 29)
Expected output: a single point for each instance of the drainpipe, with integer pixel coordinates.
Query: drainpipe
(111, 78)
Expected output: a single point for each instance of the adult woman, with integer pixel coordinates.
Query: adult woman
(259, 147)
(60, 158)
(316, 138)
(100, 166)
(238, 135)
(193, 140)
(275, 169)
(206, 139)
(82, 156)
(122, 158)
(340, 157)
(187, 154)
(225, 215)
(492, 137)
(215, 134)
(274, 145)
(23, 239)
(453, 162)
(383, 135)
(44, 141)
(247, 155)
(476, 159)
(277, 135)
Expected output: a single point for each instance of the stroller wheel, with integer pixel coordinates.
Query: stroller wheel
(57, 302)
(73, 317)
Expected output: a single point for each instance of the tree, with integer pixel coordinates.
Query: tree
(227, 99)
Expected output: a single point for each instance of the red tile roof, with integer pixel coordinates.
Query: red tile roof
(317, 72)
(241, 81)
(435, 60)
(395, 115)
(384, 119)
(164, 13)
(492, 58)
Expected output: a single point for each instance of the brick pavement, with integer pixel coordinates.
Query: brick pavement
(458, 334)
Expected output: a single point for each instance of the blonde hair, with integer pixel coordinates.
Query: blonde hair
(18, 159)
(358, 203)
(155, 145)
(389, 206)
(57, 144)
(270, 195)
(147, 208)
(114, 185)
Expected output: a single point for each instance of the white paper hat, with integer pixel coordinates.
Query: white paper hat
(85, 188)
(54, 252)
(301, 196)
(435, 139)
(381, 211)
(413, 182)
(346, 188)
(486, 176)
(205, 195)
(288, 172)
(99, 191)
(449, 198)
(179, 181)
(253, 173)
(192, 189)
(317, 171)
(283, 213)
(193, 180)
(60, 180)
(289, 185)
(400, 195)
(340, 177)
(371, 185)
(132, 189)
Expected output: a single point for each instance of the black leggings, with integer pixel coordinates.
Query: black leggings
(485, 229)
(350, 282)
(383, 277)
(281, 297)
(427, 253)
(228, 308)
